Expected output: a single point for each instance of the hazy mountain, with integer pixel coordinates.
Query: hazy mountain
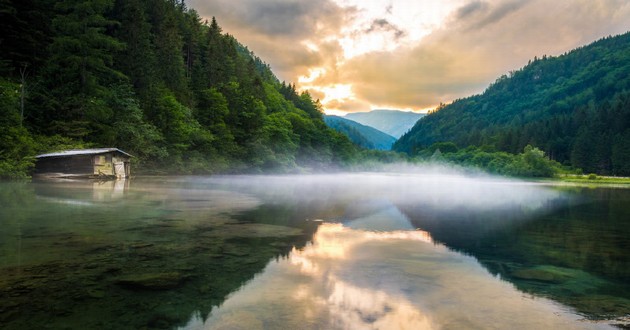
(364, 136)
(575, 107)
(393, 122)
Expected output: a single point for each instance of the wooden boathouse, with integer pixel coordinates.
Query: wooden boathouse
(103, 163)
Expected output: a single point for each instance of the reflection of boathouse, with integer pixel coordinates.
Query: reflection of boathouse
(104, 163)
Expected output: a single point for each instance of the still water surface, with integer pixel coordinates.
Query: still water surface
(355, 251)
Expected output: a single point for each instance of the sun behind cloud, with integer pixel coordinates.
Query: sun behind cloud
(357, 55)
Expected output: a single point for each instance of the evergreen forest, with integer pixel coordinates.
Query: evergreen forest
(152, 78)
(575, 108)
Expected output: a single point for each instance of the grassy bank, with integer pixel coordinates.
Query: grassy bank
(593, 179)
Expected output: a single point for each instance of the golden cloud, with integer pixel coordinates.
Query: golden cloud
(477, 42)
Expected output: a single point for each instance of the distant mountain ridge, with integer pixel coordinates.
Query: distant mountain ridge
(364, 136)
(575, 107)
(393, 122)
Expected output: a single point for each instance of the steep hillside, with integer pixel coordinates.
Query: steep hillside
(363, 136)
(154, 79)
(393, 122)
(575, 107)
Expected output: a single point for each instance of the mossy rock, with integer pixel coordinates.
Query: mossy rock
(151, 281)
(96, 293)
(542, 274)
(604, 306)
(253, 230)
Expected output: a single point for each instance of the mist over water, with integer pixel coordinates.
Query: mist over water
(413, 248)
(368, 267)
(432, 188)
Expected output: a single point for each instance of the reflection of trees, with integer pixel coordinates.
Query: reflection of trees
(148, 259)
(572, 252)
(359, 279)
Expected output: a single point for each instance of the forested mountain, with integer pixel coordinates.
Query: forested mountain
(575, 107)
(363, 136)
(393, 122)
(154, 79)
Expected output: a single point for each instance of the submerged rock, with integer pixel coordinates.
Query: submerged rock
(253, 230)
(542, 274)
(96, 293)
(152, 281)
(604, 306)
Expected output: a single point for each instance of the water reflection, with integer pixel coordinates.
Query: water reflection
(575, 253)
(81, 255)
(81, 192)
(358, 279)
(150, 253)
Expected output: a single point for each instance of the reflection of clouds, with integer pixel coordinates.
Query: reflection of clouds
(351, 307)
(334, 242)
(357, 308)
(356, 279)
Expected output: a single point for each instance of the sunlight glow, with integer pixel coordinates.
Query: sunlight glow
(374, 27)
(313, 73)
(310, 45)
(333, 241)
(336, 92)
(389, 106)
(389, 25)
(334, 112)
(358, 45)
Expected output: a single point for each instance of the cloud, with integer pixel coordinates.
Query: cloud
(389, 9)
(418, 77)
(382, 25)
(500, 11)
(349, 105)
(274, 17)
(391, 64)
(471, 9)
(276, 30)
(481, 41)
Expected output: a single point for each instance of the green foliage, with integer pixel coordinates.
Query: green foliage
(80, 64)
(130, 131)
(18, 146)
(15, 141)
(149, 77)
(277, 146)
(576, 107)
(621, 154)
(532, 162)
(443, 147)
(174, 120)
(212, 107)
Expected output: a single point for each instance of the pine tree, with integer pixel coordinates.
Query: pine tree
(137, 60)
(80, 66)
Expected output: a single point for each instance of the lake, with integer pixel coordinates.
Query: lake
(430, 249)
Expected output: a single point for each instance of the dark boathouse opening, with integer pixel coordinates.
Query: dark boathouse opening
(103, 163)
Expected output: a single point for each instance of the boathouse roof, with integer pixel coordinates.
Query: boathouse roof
(68, 153)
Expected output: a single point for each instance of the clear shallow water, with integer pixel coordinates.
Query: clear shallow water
(372, 251)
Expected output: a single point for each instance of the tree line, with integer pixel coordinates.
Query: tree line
(574, 107)
(153, 78)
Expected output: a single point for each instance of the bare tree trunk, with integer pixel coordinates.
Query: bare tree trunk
(23, 76)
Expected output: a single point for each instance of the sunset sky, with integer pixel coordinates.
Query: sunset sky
(358, 55)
